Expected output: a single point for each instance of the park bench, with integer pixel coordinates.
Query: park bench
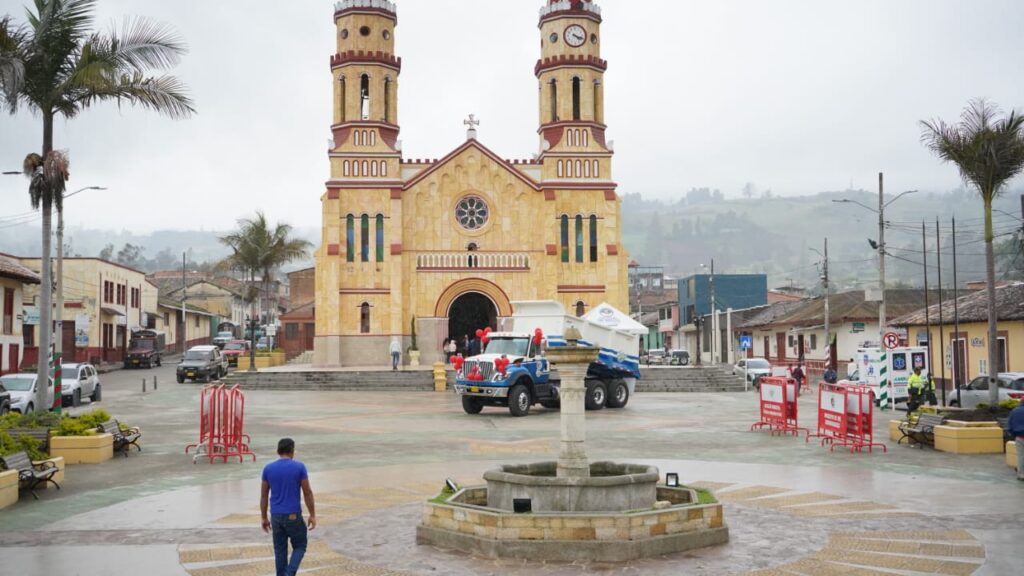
(1004, 423)
(123, 439)
(30, 474)
(42, 435)
(922, 430)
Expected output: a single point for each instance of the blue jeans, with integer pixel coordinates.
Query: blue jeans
(395, 358)
(285, 530)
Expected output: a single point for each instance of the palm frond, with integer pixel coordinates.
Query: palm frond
(164, 94)
(144, 44)
(12, 63)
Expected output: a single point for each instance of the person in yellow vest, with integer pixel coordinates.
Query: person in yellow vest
(915, 389)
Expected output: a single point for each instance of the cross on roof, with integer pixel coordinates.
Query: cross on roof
(472, 122)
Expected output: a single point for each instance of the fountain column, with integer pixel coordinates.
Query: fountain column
(572, 362)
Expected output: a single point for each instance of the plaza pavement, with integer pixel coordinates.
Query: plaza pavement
(792, 507)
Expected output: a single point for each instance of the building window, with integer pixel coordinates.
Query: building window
(341, 90)
(1001, 355)
(197, 320)
(597, 102)
(576, 98)
(472, 213)
(565, 238)
(596, 170)
(345, 170)
(380, 237)
(561, 169)
(364, 318)
(291, 331)
(581, 309)
(387, 100)
(593, 238)
(814, 341)
(350, 238)
(383, 168)
(365, 237)
(554, 101)
(364, 94)
(8, 327)
(579, 238)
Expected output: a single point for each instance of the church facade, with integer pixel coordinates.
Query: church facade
(429, 249)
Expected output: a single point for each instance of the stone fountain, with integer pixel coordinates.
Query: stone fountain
(577, 510)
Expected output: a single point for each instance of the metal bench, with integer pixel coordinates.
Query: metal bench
(42, 435)
(123, 439)
(921, 431)
(30, 474)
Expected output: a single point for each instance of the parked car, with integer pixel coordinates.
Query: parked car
(78, 380)
(5, 401)
(222, 339)
(201, 363)
(654, 357)
(26, 396)
(679, 357)
(234, 349)
(263, 343)
(755, 369)
(1011, 386)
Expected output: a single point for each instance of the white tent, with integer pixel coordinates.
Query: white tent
(608, 315)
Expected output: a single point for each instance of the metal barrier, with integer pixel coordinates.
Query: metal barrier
(779, 408)
(846, 417)
(221, 425)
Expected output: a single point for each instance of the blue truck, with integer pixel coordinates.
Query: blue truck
(513, 373)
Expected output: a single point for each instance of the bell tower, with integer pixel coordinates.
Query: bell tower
(570, 76)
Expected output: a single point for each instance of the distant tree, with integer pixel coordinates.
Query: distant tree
(717, 196)
(749, 190)
(767, 194)
(654, 246)
(165, 260)
(130, 255)
(107, 253)
(989, 151)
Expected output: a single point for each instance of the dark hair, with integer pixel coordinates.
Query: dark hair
(285, 446)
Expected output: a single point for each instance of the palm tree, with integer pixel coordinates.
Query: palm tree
(258, 248)
(989, 151)
(56, 65)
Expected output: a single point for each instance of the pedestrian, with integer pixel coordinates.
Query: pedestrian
(798, 375)
(465, 345)
(452, 350)
(396, 353)
(474, 346)
(929, 391)
(444, 349)
(915, 389)
(1015, 425)
(830, 375)
(283, 482)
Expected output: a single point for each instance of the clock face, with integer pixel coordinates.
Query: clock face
(575, 36)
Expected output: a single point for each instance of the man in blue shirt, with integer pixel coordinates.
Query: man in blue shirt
(1015, 424)
(283, 480)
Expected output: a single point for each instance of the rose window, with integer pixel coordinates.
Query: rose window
(472, 213)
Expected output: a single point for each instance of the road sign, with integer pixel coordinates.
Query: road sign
(891, 340)
(746, 342)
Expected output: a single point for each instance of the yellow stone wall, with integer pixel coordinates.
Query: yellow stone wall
(979, 330)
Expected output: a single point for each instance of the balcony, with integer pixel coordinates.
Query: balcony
(478, 261)
(668, 325)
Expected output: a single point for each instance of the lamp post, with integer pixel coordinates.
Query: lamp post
(880, 245)
(714, 316)
(828, 319)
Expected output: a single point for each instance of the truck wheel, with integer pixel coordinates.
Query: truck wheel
(181, 380)
(472, 405)
(519, 400)
(619, 396)
(97, 393)
(76, 398)
(596, 396)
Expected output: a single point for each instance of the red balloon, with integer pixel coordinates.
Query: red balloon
(479, 333)
(457, 362)
(487, 330)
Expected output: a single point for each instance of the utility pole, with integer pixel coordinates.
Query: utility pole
(942, 324)
(184, 295)
(956, 324)
(881, 257)
(927, 311)
(828, 318)
(714, 315)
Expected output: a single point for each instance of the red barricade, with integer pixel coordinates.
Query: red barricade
(221, 425)
(846, 417)
(779, 408)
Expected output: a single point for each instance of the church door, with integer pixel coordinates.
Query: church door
(471, 312)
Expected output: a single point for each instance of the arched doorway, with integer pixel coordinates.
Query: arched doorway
(470, 312)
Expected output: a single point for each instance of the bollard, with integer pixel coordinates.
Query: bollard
(143, 385)
(154, 383)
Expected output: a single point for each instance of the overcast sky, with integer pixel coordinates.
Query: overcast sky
(798, 96)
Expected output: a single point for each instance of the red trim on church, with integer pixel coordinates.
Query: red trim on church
(333, 194)
(396, 193)
(549, 195)
(360, 57)
(613, 249)
(551, 250)
(333, 249)
(570, 60)
(396, 249)
(569, 288)
(610, 196)
(486, 152)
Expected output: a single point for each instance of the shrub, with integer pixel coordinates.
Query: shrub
(33, 420)
(95, 418)
(1009, 404)
(9, 445)
(73, 427)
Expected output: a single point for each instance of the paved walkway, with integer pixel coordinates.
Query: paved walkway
(792, 507)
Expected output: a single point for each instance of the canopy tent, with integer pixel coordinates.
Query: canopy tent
(608, 315)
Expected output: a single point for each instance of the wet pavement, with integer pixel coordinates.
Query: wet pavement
(792, 507)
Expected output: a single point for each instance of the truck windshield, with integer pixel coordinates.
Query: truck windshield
(509, 346)
(142, 344)
(193, 355)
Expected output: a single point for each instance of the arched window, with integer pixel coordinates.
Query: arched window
(586, 169)
(581, 309)
(565, 238)
(342, 97)
(345, 168)
(387, 99)
(576, 98)
(364, 318)
(373, 169)
(383, 168)
(380, 237)
(586, 138)
(593, 238)
(561, 169)
(350, 238)
(364, 94)
(365, 237)
(355, 168)
(597, 102)
(579, 238)
(597, 169)
(554, 101)
(366, 168)
(579, 169)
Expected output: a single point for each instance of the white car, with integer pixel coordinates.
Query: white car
(26, 396)
(1011, 387)
(78, 381)
(754, 369)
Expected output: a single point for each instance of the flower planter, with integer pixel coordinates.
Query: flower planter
(1011, 454)
(8, 488)
(82, 449)
(969, 438)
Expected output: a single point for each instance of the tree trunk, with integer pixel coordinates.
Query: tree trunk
(46, 288)
(990, 288)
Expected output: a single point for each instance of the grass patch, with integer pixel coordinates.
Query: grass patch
(705, 496)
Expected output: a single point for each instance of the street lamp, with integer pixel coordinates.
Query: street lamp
(882, 205)
(714, 316)
(58, 342)
(828, 318)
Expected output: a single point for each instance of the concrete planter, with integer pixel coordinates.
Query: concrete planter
(1011, 454)
(82, 449)
(414, 358)
(969, 438)
(261, 362)
(277, 358)
(8, 488)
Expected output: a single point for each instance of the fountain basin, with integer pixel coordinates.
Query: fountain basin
(611, 487)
